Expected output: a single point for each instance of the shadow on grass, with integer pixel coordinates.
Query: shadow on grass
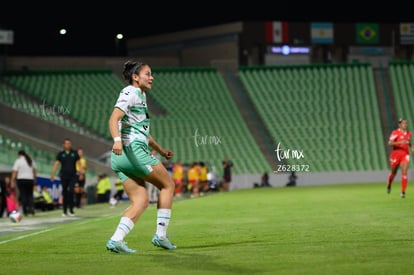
(192, 263)
(221, 244)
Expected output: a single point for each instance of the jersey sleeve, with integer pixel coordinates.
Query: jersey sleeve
(393, 136)
(124, 100)
(15, 165)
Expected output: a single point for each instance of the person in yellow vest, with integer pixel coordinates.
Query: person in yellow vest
(193, 175)
(103, 188)
(38, 199)
(119, 190)
(48, 201)
(80, 184)
(178, 178)
(203, 178)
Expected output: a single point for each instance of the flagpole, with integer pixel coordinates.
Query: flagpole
(393, 43)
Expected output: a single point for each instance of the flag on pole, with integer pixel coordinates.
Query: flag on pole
(277, 32)
(322, 33)
(407, 33)
(367, 33)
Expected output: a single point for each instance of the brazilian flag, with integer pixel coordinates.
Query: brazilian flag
(367, 33)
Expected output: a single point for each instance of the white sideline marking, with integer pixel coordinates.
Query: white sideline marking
(25, 236)
(47, 230)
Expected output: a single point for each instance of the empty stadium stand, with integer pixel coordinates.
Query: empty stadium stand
(328, 112)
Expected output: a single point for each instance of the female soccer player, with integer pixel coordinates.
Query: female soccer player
(131, 159)
(400, 140)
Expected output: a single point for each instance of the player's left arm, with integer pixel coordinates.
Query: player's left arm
(166, 153)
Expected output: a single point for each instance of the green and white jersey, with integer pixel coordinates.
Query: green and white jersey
(135, 124)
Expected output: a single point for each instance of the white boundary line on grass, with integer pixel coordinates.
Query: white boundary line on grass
(25, 236)
(47, 230)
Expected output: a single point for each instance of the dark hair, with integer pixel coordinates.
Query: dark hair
(130, 68)
(401, 120)
(26, 156)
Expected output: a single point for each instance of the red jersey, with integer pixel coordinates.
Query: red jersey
(398, 135)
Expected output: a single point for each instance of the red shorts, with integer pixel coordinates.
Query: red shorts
(178, 181)
(397, 157)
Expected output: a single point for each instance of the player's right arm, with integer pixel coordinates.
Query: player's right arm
(54, 169)
(121, 107)
(116, 116)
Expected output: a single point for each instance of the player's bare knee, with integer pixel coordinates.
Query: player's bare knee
(169, 185)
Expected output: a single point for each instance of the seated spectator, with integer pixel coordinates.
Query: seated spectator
(48, 201)
(292, 179)
(265, 180)
(42, 200)
(38, 199)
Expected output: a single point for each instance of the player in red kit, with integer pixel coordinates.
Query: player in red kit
(400, 140)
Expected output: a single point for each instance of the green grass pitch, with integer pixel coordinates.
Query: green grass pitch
(327, 229)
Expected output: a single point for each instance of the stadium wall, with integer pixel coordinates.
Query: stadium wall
(310, 179)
